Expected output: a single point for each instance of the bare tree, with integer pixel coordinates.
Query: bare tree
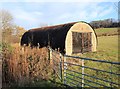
(6, 20)
(17, 34)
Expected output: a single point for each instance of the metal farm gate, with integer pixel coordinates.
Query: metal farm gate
(76, 71)
(86, 72)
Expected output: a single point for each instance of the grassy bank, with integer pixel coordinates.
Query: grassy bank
(106, 31)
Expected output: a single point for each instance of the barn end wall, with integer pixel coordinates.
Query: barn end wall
(79, 27)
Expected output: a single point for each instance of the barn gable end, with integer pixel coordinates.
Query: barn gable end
(82, 28)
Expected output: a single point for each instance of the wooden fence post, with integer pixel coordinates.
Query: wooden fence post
(48, 53)
(61, 67)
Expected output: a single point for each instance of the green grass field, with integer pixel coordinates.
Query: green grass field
(107, 49)
(107, 31)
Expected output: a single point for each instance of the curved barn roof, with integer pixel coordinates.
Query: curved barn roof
(54, 27)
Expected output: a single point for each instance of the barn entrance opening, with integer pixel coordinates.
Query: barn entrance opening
(81, 42)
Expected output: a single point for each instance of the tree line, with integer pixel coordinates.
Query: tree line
(106, 23)
(10, 32)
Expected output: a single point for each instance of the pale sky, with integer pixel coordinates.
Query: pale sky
(32, 13)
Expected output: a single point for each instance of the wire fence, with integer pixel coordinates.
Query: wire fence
(77, 71)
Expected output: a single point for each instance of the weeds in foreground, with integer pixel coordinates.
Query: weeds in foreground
(22, 66)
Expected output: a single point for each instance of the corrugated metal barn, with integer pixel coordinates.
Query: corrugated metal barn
(76, 37)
